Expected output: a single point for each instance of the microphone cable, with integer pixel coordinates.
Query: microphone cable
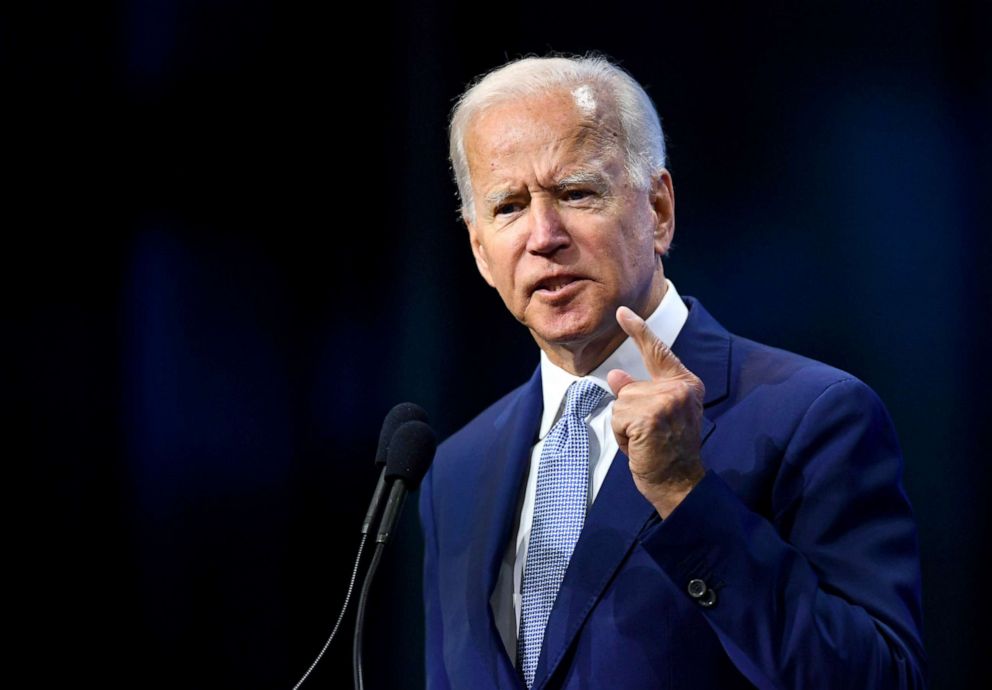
(347, 599)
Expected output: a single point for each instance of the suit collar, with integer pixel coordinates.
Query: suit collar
(703, 345)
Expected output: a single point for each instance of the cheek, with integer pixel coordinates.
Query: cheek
(502, 272)
(505, 267)
(639, 243)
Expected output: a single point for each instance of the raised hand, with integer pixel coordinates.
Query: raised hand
(656, 422)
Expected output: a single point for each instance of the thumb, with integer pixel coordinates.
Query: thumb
(658, 358)
(618, 378)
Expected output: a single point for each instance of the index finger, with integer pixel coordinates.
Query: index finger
(658, 358)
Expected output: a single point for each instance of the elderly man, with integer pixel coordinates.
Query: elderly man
(664, 504)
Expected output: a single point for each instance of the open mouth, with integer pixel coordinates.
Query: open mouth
(556, 286)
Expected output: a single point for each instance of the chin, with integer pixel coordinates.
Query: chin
(568, 330)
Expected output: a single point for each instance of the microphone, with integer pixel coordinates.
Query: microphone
(396, 417)
(409, 455)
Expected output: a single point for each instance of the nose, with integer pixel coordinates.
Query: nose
(547, 232)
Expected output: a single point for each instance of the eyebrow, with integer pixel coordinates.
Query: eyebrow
(592, 178)
(497, 197)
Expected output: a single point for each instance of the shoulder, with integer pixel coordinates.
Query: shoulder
(803, 393)
(788, 421)
(767, 386)
(737, 369)
(756, 365)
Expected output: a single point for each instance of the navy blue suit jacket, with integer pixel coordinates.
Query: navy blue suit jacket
(800, 527)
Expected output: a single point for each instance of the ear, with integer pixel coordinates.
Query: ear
(663, 203)
(478, 251)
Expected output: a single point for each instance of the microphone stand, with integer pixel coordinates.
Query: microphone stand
(356, 659)
(410, 453)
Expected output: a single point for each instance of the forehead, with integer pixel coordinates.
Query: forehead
(560, 128)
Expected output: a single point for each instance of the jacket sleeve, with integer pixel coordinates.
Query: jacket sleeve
(436, 675)
(823, 592)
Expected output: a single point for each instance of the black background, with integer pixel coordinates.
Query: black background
(233, 246)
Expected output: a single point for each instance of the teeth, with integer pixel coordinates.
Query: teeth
(557, 284)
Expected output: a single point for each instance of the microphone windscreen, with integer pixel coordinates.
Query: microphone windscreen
(397, 417)
(410, 453)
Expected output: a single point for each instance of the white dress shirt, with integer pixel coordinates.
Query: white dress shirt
(666, 321)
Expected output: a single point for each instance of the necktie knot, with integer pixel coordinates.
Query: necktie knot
(583, 397)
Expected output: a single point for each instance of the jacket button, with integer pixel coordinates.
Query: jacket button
(697, 588)
(708, 598)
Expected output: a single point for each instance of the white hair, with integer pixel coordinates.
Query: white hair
(640, 129)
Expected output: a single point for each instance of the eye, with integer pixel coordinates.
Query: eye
(576, 194)
(504, 209)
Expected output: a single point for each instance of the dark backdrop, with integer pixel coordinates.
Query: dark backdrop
(232, 246)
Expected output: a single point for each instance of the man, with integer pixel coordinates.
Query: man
(664, 504)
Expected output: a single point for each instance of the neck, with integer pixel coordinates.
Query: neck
(579, 358)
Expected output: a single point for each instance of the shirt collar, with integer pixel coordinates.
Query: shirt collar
(666, 321)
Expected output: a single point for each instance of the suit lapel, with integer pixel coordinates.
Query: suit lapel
(617, 516)
(620, 512)
(503, 473)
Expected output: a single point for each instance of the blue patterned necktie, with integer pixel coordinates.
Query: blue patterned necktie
(559, 513)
